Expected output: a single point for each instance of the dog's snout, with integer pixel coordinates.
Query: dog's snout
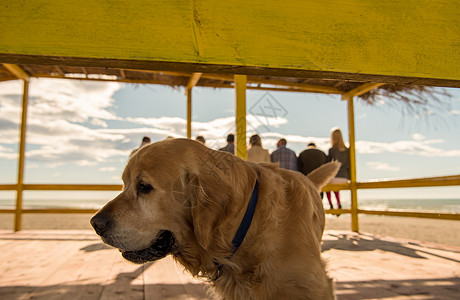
(100, 223)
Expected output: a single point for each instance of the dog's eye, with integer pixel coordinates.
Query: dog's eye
(144, 188)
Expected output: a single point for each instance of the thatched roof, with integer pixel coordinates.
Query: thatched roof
(404, 93)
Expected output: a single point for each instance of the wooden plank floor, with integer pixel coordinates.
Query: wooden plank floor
(75, 265)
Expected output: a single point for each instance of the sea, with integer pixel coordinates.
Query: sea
(415, 205)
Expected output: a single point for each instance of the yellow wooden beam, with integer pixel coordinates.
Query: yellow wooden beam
(240, 116)
(353, 183)
(414, 182)
(59, 211)
(146, 81)
(8, 187)
(21, 160)
(294, 37)
(288, 86)
(17, 71)
(360, 90)
(302, 87)
(188, 91)
(73, 187)
(122, 74)
(260, 88)
(193, 80)
(442, 216)
(451, 180)
(336, 187)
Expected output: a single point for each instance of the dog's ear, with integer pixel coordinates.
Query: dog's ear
(322, 175)
(210, 202)
(218, 193)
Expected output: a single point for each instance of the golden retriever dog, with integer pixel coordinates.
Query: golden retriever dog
(184, 199)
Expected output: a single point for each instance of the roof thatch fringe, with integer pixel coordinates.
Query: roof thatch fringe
(416, 100)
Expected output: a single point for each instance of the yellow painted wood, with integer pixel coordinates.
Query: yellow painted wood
(336, 187)
(286, 87)
(8, 187)
(17, 71)
(22, 150)
(353, 186)
(73, 187)
(360, 90)
(415, 182)
(414, 38)
(240, 117)
(189, 112)
(442, 216)
(297, 86)
(262, 88)
(193, 80)
(59, 211)
(337, 211)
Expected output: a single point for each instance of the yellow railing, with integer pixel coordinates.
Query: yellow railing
(406, 183)
(402, 183)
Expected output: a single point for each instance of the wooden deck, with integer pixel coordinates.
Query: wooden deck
(75, 265)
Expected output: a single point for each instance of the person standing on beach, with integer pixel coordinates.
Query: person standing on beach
(257, 153)
(286, 158)
(145, 141)
(338, 152)
(230, 148)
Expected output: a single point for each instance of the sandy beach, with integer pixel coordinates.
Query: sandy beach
(435, 231)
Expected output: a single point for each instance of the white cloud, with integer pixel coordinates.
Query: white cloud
(414, 147)
(418, 137)
(381, 166)
(7, 153)
(32, 166)
(57, 110)
(107, 169)
(454, 112)
(99, 122)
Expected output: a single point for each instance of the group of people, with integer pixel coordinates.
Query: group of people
(307, 161)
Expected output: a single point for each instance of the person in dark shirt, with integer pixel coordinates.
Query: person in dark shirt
(230, 148)
(338, 152)
(310, 159)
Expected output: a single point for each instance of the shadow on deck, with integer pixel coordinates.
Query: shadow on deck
(75, 265)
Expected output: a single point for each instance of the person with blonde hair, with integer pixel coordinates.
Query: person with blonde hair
(257, 153)
(338, 152)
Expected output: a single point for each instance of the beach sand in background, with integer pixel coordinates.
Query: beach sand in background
(428, 230)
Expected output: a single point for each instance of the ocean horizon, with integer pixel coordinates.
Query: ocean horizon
(419, 205)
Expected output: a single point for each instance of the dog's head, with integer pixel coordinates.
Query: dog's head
(177, 194)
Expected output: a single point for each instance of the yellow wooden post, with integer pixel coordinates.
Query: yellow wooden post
(189, 112)
(240, 115)
(22, 148)
(353, 185)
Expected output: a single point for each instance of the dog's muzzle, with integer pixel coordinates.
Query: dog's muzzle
(160, 247)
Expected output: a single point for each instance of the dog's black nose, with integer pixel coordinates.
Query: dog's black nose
(100, 223)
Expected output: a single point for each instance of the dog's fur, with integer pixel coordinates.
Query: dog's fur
(200, 196)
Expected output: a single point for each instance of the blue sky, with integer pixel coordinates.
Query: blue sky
(83, 132)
